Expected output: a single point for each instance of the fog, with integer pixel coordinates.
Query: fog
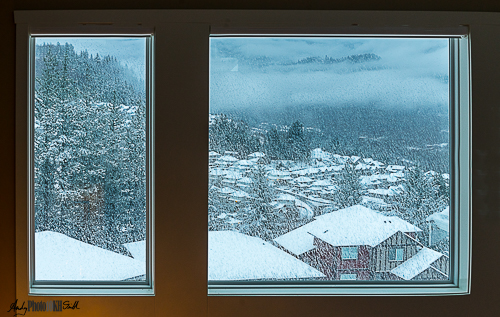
(264, 72)
(130, 52)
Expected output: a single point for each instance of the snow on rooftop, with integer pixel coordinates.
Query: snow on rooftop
(303, 179)
(322, 182)
(61, 258)
(217, 172)
(138, 249)
(257, 154)
(297, 241)
(441, 219)
(227, 158)
(320, 154)
(235, 256)
(395, 168)
(357, 225)
(416, 264)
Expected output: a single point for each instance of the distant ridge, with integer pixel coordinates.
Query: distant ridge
(358, 58)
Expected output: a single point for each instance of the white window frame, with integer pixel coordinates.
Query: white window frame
(181, 39)
(83, 287)
(397, 251)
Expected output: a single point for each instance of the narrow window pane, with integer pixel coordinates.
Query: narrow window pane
(90, 159)
(326, 149)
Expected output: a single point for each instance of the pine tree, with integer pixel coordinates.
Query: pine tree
(349, 190)
(297, 146)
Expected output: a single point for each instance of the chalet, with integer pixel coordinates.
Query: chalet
(360, 243)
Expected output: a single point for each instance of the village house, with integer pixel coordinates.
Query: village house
(357, 243)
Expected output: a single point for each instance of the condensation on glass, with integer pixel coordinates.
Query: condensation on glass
(89, 158)
(329, 159)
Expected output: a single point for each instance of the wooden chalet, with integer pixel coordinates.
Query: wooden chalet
(357, 243)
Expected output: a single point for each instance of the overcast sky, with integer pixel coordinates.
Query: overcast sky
(262, 72)
(128, 51)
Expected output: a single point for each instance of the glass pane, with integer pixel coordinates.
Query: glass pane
(321, 143)
(90, 159)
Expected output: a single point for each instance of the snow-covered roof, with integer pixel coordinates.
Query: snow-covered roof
(235, 256)
(138, 249)
(245, 180)
(395, 168)
(233, 175)
(322, 182)
(297, 241)
(303, 179)
(441, 219)
(355, 225)
(227, 190)
(278, 173)
(257, 154)
(240, 194)
(416, 264)
(320, 154)
(227, 158)
(246, 163)
(217, 172)
(307, 171)
(61, 258)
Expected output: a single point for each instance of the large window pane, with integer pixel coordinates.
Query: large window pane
(90, 159)
(323, 146)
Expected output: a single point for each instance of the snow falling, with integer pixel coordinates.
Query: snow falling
(90, 161)
(329, 153)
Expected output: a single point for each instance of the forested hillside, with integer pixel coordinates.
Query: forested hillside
(89, 153)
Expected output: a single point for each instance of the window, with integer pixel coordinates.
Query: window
(316, 144)
(184, 41)
(349, 253)
(91, 214)
(348, 277)
(396, 254)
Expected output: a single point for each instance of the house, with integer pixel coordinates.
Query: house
(358, 243)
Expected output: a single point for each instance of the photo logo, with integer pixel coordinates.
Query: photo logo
(41, 306)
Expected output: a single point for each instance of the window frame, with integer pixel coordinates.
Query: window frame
(192, 29)
(394, 251)
(350, 253)
(132, 287)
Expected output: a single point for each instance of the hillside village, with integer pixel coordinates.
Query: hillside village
(297, 212)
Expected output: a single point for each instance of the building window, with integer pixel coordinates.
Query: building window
(396, 254)
(348, 277)
(91, 206)
(349, 253)
(315, 146)
(268, 208)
